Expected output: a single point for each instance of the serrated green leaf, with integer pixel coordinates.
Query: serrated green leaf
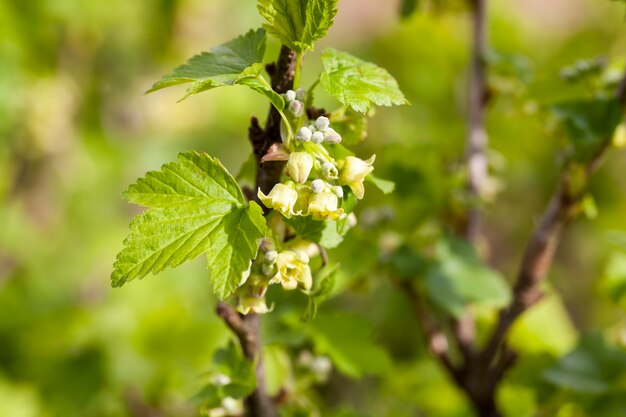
(459, 278)
(298, 23)
(236, 62)
(231, 362)
(357, 83)
(385, 186)
(195, 207)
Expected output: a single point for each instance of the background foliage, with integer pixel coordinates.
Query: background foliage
(75, 129)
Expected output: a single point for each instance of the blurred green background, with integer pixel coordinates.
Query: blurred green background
(75, 129)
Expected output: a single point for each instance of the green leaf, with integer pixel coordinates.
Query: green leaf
(231, 362)
(385, 186)
(544, 328)
(593, 367)
(459, 278)
(589, 123)
(351, 125)
(328, 233)
(298, 23)
(357, 83)
(195, 207)
(278, 369)
(326, 281)
(235, 62)
(407, 8)
(612, 284)
(346, 339)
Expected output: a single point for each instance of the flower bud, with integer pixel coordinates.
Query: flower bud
(329, 171)
(322, 123)
(270, 256)
(317, 137)
(304, 134)
(290, 96)
(354, 172)
(299, 166)
(324, 206)
(331, 136)
(282, 198)
(296, 108)
(318, 186)
(338, 190)
(300, 94)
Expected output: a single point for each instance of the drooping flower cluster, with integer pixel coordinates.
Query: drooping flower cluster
(288, 267)
(314, 179)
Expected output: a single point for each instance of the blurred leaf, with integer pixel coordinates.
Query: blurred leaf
(357, 83)
(407, 8)
(351, 125)
(385, 186)
(544, 328)
(613, 281)
(460, 278)
(408, 263)
(589, 123)
(592, 368)
(346, 339)
(196, 206)
(326, 281)
(298, 23)
(278, 370)
(234, 62)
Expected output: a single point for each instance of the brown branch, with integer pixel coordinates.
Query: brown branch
(248, 328)
(436, 340)
(539, 253)
(476, 145)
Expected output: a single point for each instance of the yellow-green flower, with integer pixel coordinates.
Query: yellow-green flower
(253, 305)
(299, 166)
(323, 206)
(282, 198)
(354, 172)
(293, 271)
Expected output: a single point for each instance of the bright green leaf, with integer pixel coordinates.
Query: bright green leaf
(235, 62)
(357, 83)
(326, 281)
(298, 23)
(278, 369)
(195, 207)
(231, 362)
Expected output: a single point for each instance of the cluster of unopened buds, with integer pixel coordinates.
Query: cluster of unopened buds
(295, 101)
(315, 180)
(288, 267)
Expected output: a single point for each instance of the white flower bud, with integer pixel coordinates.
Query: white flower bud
(300, 94)
(318, 186)
(270, 256)
(338, 190)
(299, 166)
(296, 108)
(290, 96)
(220, 380)
(329, 171)
(352, 220)
(317, 137)
(331, 136)
(322, 123)
(304, 134)
(231, 406)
